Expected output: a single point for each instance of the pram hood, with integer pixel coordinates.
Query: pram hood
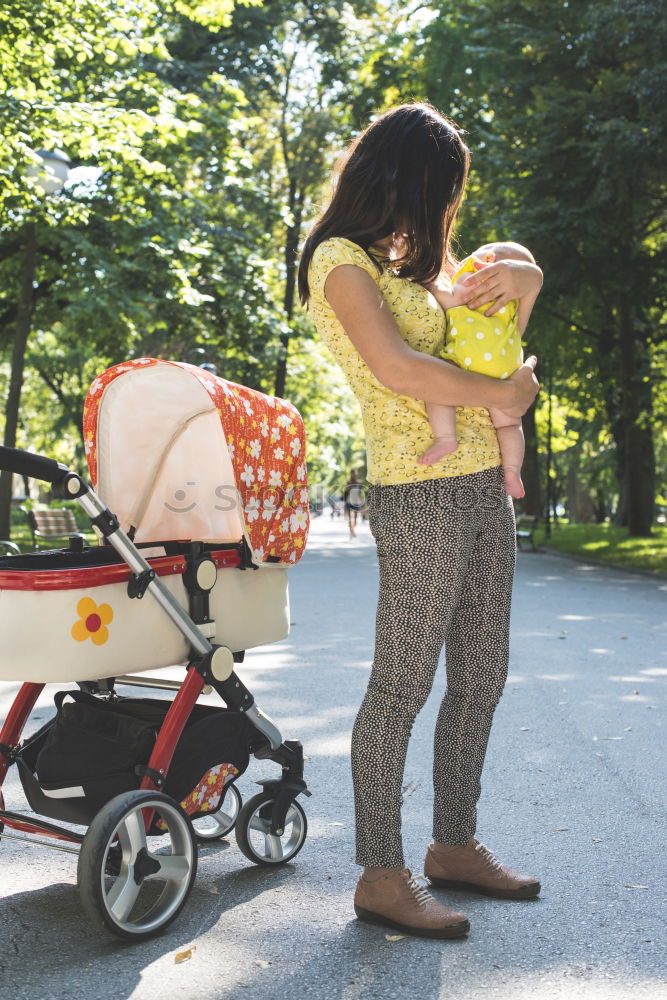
(180, 454)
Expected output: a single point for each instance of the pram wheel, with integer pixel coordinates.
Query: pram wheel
(217, 825)
(253, 831)
(133, 889)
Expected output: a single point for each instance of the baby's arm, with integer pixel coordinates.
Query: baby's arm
(446, 297)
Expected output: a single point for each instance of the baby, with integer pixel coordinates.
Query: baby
(490, 345)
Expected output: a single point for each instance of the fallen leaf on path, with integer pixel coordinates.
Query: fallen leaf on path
(394, 937)
(629, 885)
(261, 963)
(184, 956)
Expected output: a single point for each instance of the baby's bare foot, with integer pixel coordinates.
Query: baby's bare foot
(441, 446)
(513, 483)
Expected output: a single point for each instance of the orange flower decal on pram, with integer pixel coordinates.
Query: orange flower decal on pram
(93, 621)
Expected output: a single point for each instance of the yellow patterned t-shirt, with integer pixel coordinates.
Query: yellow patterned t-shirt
(397, 428)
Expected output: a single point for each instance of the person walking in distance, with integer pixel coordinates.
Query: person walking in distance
(353, 499)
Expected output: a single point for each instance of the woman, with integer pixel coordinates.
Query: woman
(444, 533)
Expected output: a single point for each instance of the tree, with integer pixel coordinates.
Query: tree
(204, 135)
(76, 74)
(567, 111)
(297, 66)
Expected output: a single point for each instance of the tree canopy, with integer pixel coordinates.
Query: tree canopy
(202, 137)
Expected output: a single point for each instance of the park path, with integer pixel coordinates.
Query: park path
(573, 791)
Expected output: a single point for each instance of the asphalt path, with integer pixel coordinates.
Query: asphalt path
(573, 791)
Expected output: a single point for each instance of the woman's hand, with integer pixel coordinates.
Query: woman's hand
(526, 387)
(501, 282)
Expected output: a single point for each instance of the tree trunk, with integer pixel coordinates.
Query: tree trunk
(580, 506)
(639, 480)
(532, 503)
(22, 332)
(617, 428)
(638, 469)
(629, 410)
(292, 236)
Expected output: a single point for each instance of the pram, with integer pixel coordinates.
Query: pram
(207, 483)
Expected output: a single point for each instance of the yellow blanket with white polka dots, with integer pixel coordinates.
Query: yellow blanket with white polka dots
(489, 345)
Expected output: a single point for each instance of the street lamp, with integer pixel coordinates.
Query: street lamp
(49, 174)
(549, 491)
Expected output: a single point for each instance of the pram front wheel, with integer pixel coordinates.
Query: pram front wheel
(217, 825)
(253, 831)
(133, 883)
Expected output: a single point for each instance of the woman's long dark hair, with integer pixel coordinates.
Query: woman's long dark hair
(406, 174)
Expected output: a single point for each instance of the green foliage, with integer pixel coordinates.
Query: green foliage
(331, 415)
(565, 106)
(610, 544)
(205, 132)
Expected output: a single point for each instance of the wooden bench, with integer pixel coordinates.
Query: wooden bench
(52, 523)
(525, 530)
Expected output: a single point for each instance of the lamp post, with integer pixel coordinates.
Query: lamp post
(548, 510)
(49, 176)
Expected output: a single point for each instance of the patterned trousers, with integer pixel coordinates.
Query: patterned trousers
(446, 549)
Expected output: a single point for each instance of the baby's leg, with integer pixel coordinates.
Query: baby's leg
(511, 450)
(512, 447)
(443, 424)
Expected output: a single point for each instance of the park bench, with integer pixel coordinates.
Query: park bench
(525, 530)
(52, 523)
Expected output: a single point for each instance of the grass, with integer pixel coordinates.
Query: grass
(609, 544)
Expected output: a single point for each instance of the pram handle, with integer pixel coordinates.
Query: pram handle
(26, 463)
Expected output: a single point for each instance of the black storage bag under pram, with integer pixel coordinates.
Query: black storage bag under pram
(95, 749)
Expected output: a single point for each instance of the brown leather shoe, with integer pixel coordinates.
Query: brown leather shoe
(474, 867)
(395, 899)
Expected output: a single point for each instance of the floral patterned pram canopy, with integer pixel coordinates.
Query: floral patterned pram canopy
(179, 454)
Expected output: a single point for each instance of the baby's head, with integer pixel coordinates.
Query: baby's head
(490, 252)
